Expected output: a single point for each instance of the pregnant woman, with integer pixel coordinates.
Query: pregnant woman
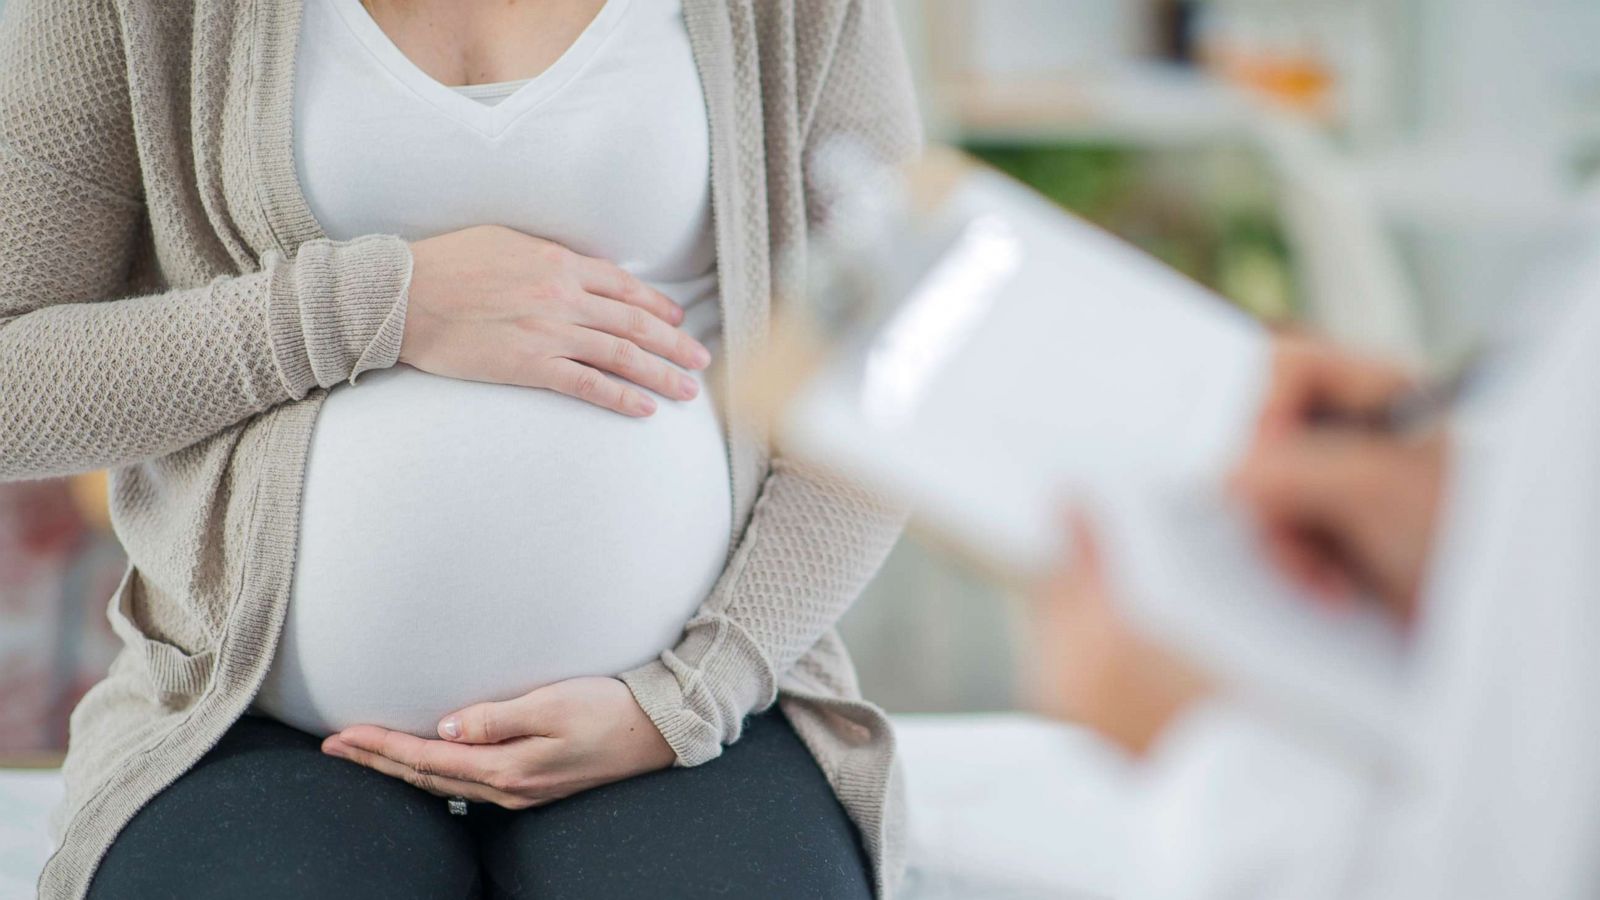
(400, 323)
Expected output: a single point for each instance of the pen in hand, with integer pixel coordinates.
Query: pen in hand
(1340, 498)
(1413, 412)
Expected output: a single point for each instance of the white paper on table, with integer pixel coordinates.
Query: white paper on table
(1042, 360)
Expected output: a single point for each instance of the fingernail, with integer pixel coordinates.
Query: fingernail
(334, 749)
(645, 406)
(702, 357)
(451, 727)
(688, 388)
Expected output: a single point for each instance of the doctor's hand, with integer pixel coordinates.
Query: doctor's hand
(1348, 510)
(493, 304)
(1312, 377)
(548, 744)
(1095, 668)
(1313, 380)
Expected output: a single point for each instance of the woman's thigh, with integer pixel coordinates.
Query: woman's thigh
(759, 821)
(266, 814)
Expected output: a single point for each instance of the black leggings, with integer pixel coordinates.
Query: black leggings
(266, 814)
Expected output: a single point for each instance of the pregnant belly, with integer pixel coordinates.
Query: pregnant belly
(466, 542)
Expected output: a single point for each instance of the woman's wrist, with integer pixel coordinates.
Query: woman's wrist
(337, 309)
(421, 324)
(660, 694)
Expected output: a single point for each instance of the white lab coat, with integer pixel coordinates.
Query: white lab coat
(1495, 792)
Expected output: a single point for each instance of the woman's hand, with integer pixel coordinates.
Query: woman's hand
(554, 742)
(1095, 669)
(493, 304)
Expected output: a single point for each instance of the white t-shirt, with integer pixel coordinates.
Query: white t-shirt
(463, 542)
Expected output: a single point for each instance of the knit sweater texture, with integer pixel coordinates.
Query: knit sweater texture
(171, 310)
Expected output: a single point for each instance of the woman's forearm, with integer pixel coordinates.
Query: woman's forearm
(91, 385)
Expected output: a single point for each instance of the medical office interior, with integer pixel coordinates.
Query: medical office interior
(1382, 172)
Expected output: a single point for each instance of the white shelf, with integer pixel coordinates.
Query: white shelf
(1150, 105)
(1356, 286)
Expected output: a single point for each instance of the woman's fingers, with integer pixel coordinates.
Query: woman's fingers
(607, 279)
(588, 384)
(491, 723)
(529, 294)
(434, 784)
(439, 768)
(625, 358)
(423, 755)
(647, 331)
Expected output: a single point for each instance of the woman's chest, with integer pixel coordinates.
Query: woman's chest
(483, 41)
(607, 151)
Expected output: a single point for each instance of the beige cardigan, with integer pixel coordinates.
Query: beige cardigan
(169, 308)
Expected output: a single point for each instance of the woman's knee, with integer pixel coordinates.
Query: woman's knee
(761, 820)
(265, 814)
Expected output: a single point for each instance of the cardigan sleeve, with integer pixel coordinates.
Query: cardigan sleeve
(813, 542)
(91, 378)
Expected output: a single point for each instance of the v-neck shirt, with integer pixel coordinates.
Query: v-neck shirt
(491, 120)
(464, 542)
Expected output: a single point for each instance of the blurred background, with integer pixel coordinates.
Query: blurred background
(1383, 170)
